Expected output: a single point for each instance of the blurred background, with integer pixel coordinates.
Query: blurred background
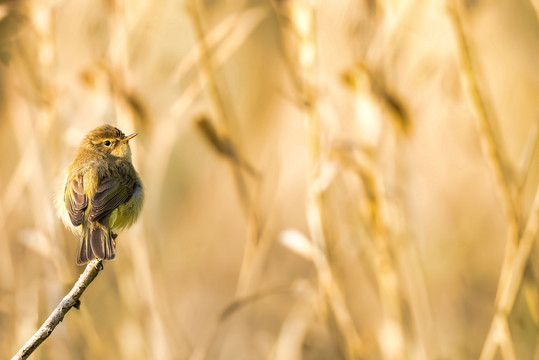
(348, 179)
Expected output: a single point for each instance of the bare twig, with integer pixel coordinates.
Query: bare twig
(69, 301)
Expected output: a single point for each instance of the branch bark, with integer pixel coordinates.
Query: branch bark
(69, 301)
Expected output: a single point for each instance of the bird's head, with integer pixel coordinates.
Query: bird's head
(109, 140)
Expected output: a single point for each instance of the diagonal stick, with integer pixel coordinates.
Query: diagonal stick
(57, 315)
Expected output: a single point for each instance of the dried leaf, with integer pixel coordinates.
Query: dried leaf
(221, 143)
(5, 55)
(361, 79)
(11, 25)
(35, 240)
(297, 242)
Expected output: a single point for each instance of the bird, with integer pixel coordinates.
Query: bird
(102, 192)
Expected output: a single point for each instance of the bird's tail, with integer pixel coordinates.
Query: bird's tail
(97, 242)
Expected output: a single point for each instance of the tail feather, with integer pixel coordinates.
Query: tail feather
(96, 243)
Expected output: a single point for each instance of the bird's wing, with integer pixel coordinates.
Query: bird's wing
(75, 200)
(110, 194)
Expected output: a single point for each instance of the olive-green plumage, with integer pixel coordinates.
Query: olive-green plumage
(102, 192)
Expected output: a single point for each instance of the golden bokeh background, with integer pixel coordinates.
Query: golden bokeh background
(348, 179)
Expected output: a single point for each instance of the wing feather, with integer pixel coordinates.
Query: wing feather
(75, 200)
(110, 194)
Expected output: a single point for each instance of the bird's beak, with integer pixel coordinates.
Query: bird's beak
(129, 137)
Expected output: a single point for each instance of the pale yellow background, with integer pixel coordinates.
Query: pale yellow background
(422, 288)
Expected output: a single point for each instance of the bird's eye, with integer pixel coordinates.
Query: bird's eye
(107, 143)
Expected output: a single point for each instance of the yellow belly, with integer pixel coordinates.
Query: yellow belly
(127, 213)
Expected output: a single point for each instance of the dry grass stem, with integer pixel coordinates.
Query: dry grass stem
(519, 244)
(485, 121)
(302, 16)
(364, 125)
(228, 122)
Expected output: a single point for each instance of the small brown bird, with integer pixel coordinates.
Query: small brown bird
(102, 192)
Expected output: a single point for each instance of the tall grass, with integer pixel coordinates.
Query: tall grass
(324, 179)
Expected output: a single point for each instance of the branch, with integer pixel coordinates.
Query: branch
(69, 301)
